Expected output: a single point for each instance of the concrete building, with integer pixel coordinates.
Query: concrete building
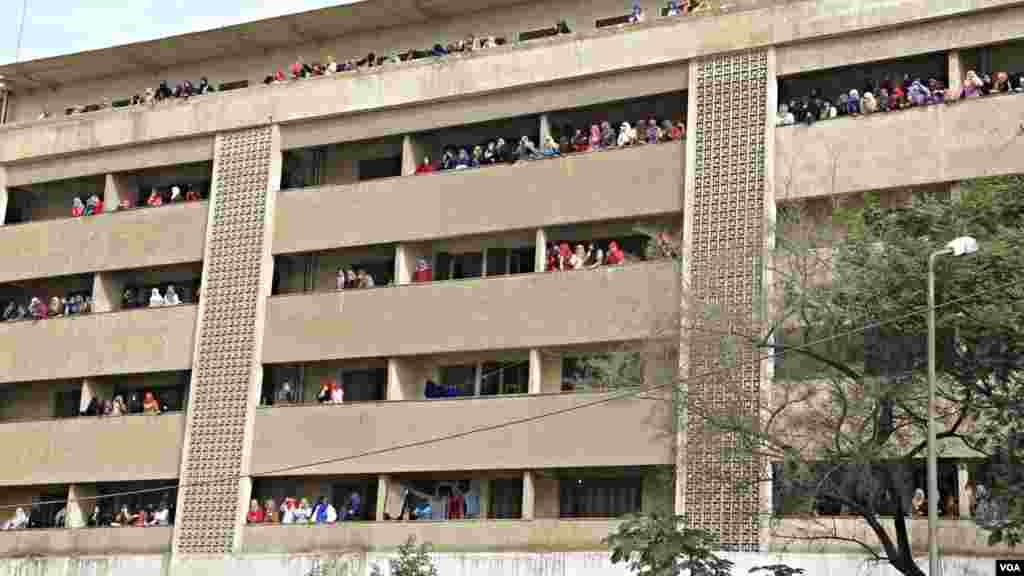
(299, 179)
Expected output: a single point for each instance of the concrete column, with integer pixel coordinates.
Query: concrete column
(551, 372)
(92, 388)
(536, 371)
(955, 71)
(114, 189)
(402, 275)
(483, 263)
(106, 292)
(962, 478)
(412, 154)
(383, 482)
(545, 129)
(3, 195)
(529, 496)
(79, 510)
(394, 391)
(485, 499)
(478, 380)
(541, 246)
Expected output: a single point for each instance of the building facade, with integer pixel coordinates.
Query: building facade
(295, 181)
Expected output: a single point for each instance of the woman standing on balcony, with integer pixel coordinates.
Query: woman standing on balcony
(150, 404)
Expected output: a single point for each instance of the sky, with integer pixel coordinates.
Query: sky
(56, 27)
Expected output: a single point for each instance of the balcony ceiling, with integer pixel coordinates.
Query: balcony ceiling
(251, 37)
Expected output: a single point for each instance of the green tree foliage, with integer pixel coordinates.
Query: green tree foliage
(412, 560)
(662, 545)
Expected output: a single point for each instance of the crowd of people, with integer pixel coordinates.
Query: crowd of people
(442, 500)
(890, 96)
(148, 404)
(565, 140)
(136, 298)
(173, 194)
(353, 278)
(562, 256)
(73, 304)
(299, 511)
(300, 69)
(143, 516)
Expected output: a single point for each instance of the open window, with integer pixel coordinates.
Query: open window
(342, 163)
(54, 200)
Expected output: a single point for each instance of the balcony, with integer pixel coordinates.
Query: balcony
(609, 304)
(132, 239)
(576, 188)
(85, 542)
(129, 342)
(942, 143)
(569, 439)
(564, 58)
(77, 450)
(450, 536)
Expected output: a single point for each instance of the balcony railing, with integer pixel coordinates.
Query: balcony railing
(381, 434)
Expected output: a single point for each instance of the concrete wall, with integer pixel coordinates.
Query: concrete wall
(576, 188)
(636, 438)
(959, 141)
(114, 160)
(131, 239)
(595, 562)
(469, 535)
(71, 450)
(590, 53)
(145, 340)
(84, 541)
(608, 304)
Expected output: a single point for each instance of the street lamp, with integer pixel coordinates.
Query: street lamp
(961, 246)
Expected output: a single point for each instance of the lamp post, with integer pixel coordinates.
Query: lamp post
(958, 247)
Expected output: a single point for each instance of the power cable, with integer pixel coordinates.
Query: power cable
(529, 419)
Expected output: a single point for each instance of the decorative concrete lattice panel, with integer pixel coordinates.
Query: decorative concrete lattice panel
(226, 350)
(727, 245)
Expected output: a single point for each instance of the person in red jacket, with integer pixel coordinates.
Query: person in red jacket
(154, 199)
(426, 167)
(615, 254)
(256, 514)
(77, 207)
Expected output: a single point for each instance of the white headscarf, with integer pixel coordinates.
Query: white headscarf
(155, 299)
(171, 298)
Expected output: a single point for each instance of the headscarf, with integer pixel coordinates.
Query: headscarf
(564, 253)
(175, 193)
(337, 392)
(171, 298)
(595, 136)
(155, 299)
(652, 131)
(607, 135)
(77, 207)
(624, 134)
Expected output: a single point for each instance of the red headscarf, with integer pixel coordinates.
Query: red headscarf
(615, 255)
(564, 253)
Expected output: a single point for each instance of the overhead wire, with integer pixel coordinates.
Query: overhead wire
(605, 399)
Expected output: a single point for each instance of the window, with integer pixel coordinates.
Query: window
(68, 403)
(505, 378)
(462, 377)
(599, 497)
(364, 385)
(506, 499)
(380, 168)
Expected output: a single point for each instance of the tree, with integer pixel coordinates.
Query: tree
(412, 560)
(845, 415)
(662, 545)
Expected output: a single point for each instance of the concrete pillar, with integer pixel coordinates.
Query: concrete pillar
(485, 499)
(541, 247)
(115, 188)
(402, 275)
(545, 129)
(536, 371)
(955, 72)
(80, 504)
(963, 476)
(412, 154)
(92, 388)
(106, 292)
(529, 496)
(551, 372)
(383, 482)
(546, 497)
(394, 391)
